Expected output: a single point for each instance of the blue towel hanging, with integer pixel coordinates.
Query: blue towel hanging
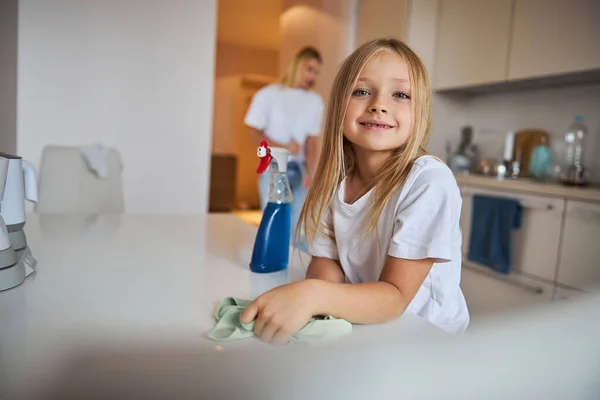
(492, 222)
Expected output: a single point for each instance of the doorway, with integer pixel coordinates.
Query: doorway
(247, 59)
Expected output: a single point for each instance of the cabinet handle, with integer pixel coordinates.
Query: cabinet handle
(537, 206)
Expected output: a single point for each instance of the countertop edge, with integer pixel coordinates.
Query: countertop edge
(590, 194)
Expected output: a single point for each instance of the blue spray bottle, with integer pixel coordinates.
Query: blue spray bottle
(272, 243)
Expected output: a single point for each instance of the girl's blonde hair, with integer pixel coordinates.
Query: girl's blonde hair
(292, 73)
(337, 158)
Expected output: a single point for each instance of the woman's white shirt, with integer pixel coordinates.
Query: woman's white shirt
(286, 114)
(420, 221)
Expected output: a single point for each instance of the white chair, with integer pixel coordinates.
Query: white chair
(67, 185)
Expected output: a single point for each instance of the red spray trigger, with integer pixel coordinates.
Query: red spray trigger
(265, 157)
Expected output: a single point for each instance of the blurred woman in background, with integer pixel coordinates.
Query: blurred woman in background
(288, 114)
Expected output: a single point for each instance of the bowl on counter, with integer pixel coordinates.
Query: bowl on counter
(488, 167)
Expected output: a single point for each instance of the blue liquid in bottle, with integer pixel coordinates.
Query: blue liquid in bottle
(272, 245)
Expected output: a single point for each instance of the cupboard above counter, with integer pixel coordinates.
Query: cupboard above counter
(504, 42)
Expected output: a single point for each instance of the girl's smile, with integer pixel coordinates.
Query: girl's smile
(376, 125)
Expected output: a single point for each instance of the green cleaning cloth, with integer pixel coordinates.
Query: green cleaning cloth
(229, 326)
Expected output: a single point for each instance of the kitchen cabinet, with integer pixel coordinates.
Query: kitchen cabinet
(579, 265)
(535, 246)
(485, 295)
(472, 42)
(551, 37)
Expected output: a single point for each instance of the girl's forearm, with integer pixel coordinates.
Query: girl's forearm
(362, 303)
(325, 269)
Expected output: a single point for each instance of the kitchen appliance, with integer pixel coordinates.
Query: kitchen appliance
(18, 182)
(21, 185)
(14, 266)
(8, 257)
(466, 157)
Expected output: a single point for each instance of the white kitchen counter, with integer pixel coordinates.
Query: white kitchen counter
(137, 279)
(528, 186)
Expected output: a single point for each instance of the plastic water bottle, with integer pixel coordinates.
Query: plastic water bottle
(272, 243)
(575, 140)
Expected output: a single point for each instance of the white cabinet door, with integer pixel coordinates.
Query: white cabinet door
(472, 42)
(579, 265)
(534, 247)
(487, 296)
(554, 37)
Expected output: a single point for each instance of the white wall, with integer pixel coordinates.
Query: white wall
(550, 109)
(134, 74)
(8, 74)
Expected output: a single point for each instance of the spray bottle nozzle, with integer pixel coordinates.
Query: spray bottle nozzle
(267, 154)
(264, 153)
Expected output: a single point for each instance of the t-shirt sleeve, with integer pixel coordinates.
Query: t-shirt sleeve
(427, 218)
(323, 245)
(257, 114)
(315, 127)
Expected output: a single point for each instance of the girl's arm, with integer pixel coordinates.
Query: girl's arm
(325, 269)
(281, 312)
(372, 302)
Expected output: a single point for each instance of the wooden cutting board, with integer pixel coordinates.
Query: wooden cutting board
(525, 141)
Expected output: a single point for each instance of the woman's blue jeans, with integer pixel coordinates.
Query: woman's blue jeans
(294, 173)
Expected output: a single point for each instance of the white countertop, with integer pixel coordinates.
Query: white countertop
(136, 279)
(586, 193)
(119, 306)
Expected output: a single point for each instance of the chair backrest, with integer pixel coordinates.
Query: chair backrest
(67, 185)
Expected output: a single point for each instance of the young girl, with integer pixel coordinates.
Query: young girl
(382, 216)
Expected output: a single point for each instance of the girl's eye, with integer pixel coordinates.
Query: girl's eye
(360, 93)
(401, 95)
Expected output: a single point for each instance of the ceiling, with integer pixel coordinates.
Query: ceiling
(249, 23)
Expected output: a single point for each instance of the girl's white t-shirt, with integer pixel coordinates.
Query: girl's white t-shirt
(286, 114)
(420, 221)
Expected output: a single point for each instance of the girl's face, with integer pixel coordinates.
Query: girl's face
(309, 73)
(378, 117)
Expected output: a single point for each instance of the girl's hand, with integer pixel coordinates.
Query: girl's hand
(281, 312)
